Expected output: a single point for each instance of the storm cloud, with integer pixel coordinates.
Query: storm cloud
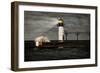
(45, 23)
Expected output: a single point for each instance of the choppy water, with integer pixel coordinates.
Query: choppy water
(56, 54)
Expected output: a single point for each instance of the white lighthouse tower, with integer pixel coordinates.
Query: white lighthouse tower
(61, 30)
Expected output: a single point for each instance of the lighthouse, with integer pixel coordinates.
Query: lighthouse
(60, 30)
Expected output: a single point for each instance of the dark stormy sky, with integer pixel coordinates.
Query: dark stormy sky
(45, 23)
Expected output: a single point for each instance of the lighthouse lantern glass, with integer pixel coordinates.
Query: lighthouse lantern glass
(60, 21)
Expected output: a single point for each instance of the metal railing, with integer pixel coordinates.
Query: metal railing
(76, 35)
